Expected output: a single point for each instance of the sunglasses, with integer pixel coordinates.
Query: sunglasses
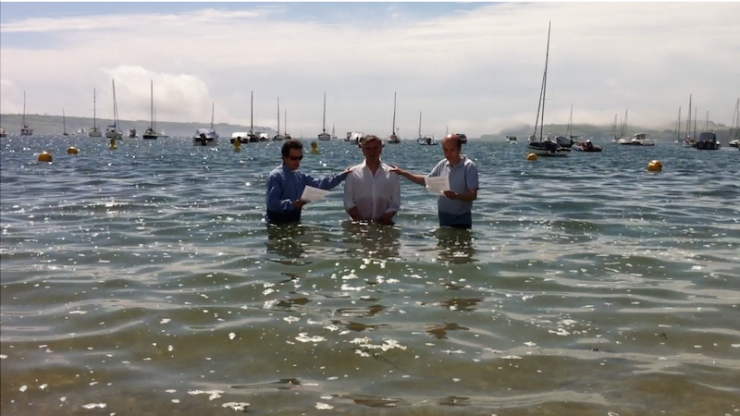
(294, 158)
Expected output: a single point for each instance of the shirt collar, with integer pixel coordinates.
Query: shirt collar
(463, 158)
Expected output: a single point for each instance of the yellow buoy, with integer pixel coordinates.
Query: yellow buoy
(531, 156)
(72, 150)
(44, 156)
(655, 166)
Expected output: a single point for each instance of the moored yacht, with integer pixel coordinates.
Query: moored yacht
(206, 136)
(707, 141)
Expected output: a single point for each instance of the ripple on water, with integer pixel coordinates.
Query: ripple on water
(137, 281)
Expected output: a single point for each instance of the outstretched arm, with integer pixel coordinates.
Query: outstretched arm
(327, 182)
(418, 179)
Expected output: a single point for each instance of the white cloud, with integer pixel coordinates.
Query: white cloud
(476, 71)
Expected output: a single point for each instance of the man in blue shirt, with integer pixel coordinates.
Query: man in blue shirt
(286, 183)
(454, 208)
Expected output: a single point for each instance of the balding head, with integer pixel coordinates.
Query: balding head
(451, 147)
(452, 138)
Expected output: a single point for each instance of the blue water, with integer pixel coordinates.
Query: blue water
(587, 285)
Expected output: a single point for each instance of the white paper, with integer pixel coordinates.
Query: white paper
(437, 184)
(313, 194)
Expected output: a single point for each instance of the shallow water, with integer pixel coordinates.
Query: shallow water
(145, 279)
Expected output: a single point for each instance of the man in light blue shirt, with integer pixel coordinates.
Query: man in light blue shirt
(286, 183)
(455, 206)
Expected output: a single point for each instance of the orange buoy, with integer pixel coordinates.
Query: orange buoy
(72, 150)
(44, 156)
(655, 166)
(531, 156)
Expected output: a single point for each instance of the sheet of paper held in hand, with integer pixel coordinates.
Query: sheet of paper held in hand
(313, 194)
(437, 184)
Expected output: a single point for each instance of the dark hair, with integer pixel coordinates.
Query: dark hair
(291, 144)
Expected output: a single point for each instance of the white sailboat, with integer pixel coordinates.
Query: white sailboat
(549, 147)
(150, 133)
(3, 133)
(95, 130)
(424, 140)
(278, 137)
(206, 136)
(25, 130)
(333, 133)
(689, 140)
(243, 136)
(394, 137)
(324, 136)
(112, 131)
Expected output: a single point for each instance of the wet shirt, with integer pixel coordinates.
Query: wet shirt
(373, 195)
(285, 186)
(462, 176)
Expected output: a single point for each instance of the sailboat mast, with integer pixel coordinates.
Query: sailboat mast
(64, 122)
(419, 124)
(95, 106)
(24, 109)
(614, 127)
(688, 121)
(323, 125)
(278, 115)
(544, 81)
(678, 126)
(115, 105)
(695, 112)
(151, 103)
(251, 113)
(570, 122)
(213, 111)
(286, 122)
(394, 114)
(706, 122)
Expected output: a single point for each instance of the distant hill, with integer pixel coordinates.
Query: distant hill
(42, 124)
(600, 133)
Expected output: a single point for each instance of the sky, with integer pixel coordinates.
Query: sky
(474, 68)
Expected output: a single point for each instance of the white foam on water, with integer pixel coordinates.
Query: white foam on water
(237, 406)
(94, 405)
(323, 406)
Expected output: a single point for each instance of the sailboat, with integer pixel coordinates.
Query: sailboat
(567, 140)
(206, 136)
(278, 137)
(548, 147)
(285, 124)
(735, 127)
(95, 130)
(424, 140)
(25, 130)
(112, 131)
(638, 139)
(3, 133)
(150, 133)
(243, 136)
(64, 124)
(333, 133)
(394, 137)
(324, 136)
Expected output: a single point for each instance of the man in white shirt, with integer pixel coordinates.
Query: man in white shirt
(371, 191)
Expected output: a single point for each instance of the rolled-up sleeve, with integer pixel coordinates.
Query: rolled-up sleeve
(395, 203)
(349, 197)
(275, 192)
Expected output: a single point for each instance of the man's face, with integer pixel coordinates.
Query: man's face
(293, 161)
(372, 149)
(452, 152)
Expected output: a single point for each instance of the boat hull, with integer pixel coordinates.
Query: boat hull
(548, 149)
